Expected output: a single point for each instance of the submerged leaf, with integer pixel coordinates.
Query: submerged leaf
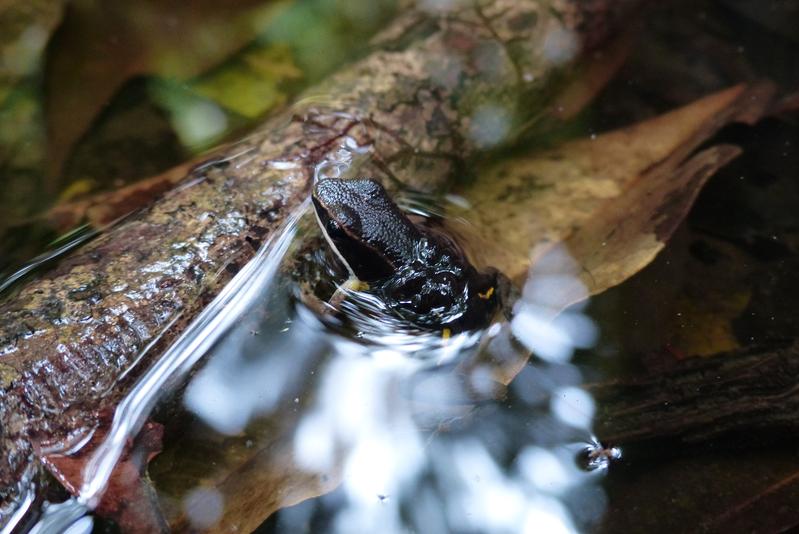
(612, 200)
(129, 499)
(254, 474)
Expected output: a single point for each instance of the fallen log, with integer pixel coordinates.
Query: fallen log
(749, 391)
(74, 339)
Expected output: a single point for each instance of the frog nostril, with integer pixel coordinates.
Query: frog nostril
(332, 227)
(373, 188)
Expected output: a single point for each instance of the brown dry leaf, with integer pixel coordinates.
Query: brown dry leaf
(612, 200)
(625, 234)
(101, 45)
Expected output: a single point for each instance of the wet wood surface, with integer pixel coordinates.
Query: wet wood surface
(748, 391)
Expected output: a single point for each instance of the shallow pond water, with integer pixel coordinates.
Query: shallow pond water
(275, 394)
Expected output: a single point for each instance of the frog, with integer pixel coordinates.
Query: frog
(422, 275)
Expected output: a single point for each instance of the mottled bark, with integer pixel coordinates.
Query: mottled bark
(750, 391)
(71, 341)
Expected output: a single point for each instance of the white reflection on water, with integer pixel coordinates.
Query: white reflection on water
(545, 471)
(492, 473)
(540, 321)
(203, 507)
(358, 412)
(561, 44)
(490, 124)
(242, 381)
(573, 406)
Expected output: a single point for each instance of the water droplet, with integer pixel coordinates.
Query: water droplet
(596, 456)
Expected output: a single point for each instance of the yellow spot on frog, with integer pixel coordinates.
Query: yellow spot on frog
(487, 294)
(446, 333)
(353, 284)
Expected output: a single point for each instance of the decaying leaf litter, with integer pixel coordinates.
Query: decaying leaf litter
(627, 191)
(721, 108)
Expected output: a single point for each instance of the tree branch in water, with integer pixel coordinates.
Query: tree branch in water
(747, 391)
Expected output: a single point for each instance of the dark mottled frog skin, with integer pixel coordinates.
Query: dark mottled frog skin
(421, 275)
